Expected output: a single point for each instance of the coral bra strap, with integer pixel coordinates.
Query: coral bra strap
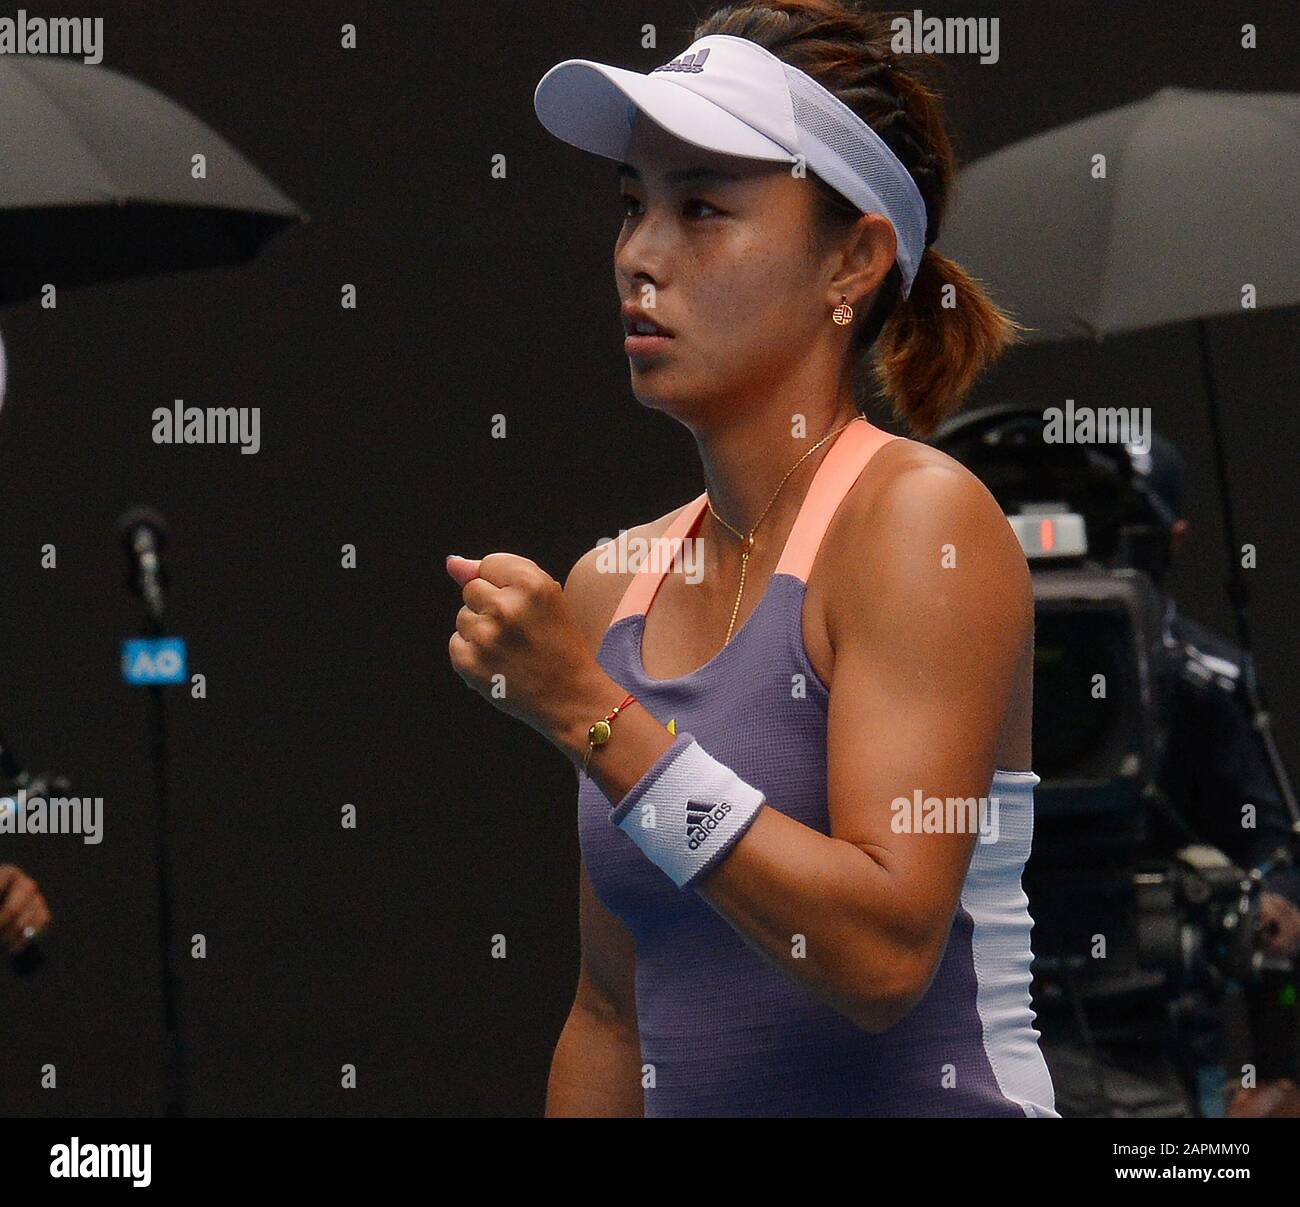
(838, 470)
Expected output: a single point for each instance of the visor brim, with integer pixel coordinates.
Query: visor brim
(586, 104)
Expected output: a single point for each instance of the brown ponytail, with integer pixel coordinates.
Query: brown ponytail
(936, 342)
(924, 352)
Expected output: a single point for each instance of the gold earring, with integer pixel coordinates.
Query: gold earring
(843, 313)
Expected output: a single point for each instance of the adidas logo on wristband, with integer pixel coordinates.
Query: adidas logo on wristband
(702, 818)
(703, 809)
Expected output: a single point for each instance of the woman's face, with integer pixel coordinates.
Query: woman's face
(728, 258)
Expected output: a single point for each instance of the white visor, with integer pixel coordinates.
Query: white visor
(732, 96)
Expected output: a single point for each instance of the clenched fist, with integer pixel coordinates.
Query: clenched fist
(518, 644)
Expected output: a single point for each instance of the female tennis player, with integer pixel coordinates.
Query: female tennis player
(805, 796)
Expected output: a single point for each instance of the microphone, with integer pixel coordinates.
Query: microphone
(143, 533)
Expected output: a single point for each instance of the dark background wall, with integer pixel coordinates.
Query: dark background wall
(328, 686)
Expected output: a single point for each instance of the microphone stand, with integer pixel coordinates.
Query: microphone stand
(174, 1072)
(147, 585)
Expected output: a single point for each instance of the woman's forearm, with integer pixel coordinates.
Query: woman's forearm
(821, 910)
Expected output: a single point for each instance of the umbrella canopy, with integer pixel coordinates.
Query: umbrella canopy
(1198, 201)
(96, 182)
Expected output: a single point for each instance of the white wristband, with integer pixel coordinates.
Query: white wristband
(687, 811)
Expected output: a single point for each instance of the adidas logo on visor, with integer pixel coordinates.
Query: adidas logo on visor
(693, 63)
(702, 818)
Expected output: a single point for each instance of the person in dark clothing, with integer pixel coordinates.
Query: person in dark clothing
(23, 910)
(1215, 763)
(1131, 1064)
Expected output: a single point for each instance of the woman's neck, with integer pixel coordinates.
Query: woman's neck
(745, 461)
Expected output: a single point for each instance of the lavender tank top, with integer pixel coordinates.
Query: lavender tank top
(726, 1033)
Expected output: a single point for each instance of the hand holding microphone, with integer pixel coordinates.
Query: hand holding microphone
(23, 912)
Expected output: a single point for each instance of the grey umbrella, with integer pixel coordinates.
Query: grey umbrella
(97, 182)
(1195, 214)
(1198, 201)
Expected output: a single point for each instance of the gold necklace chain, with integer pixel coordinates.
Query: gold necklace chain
(747, 542)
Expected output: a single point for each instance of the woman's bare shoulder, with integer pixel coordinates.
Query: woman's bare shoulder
(915, 509)
(599, 577)
(907, 481)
